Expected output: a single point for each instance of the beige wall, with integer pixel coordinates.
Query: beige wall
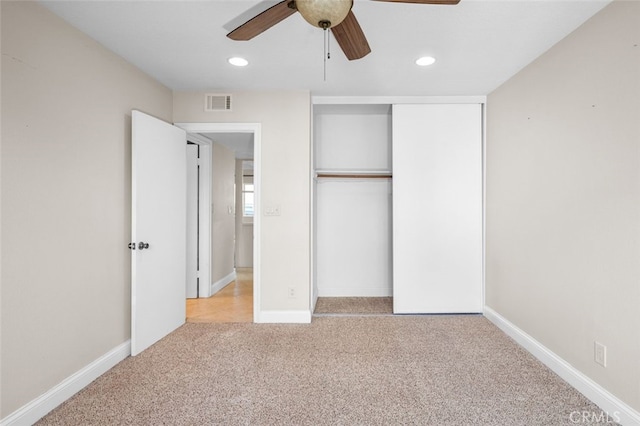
(563, 199)
(222, 222)
(66, 105)
(284, 239)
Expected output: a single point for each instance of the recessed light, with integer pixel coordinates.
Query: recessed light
(425, 61)
(238, 61)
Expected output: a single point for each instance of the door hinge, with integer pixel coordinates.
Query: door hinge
(132, 246)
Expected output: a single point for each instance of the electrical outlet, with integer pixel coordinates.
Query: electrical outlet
(600, 353)
(291, 292)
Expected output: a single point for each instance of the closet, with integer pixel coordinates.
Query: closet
(398, 204)
(353, 236)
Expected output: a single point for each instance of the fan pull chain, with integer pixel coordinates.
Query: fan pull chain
(327, 51)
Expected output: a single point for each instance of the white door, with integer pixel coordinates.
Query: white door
(159, 220)
(437, 208)
(192, 221)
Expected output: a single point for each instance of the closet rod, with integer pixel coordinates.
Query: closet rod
(355, 176)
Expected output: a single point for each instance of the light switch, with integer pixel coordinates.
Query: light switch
(272, 211)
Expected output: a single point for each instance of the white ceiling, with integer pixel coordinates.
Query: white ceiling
(240, 143)
(478, 44)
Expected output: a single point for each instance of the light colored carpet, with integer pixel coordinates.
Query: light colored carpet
(371, 370)
(355, 305)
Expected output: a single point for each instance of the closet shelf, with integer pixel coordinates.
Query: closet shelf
(355, 174)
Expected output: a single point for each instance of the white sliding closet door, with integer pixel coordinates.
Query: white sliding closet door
(437, 208)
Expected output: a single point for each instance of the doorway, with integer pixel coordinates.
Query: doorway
(243, 286)
(228, 296)
(234, 303)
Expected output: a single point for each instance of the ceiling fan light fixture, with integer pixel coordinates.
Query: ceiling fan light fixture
(238, 61)
(425, 61)
(324, 13)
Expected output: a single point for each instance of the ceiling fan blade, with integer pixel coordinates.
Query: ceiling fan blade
(424, 1)
(263, 21)
(351, 39)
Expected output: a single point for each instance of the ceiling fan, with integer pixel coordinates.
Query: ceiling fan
(326, 14)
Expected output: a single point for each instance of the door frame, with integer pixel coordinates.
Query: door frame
(256, 130)
(204, 212)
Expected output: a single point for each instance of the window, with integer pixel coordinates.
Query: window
(247, 196)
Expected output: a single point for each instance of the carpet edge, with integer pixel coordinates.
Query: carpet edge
(33, 411)
(618, 410)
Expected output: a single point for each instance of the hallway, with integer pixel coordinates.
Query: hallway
(234, 303)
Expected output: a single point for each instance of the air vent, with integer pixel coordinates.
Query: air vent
(216, 102)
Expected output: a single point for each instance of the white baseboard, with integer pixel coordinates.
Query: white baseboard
(39, 407)
(614, 407)
(284, 317)
(355, 292)
(222, 283)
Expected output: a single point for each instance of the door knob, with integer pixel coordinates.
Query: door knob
(142, 246)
